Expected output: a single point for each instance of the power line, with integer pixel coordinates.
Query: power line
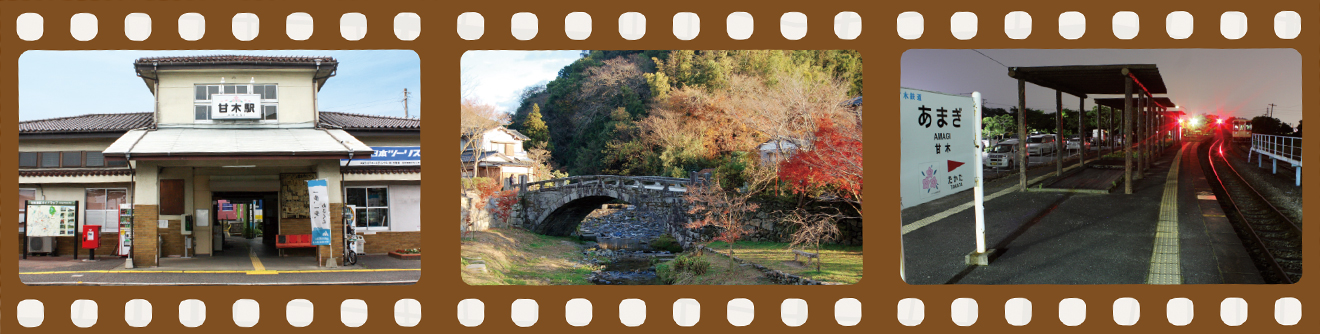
(983, 54)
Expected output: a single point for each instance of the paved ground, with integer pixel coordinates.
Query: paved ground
(1064, 238)
(243, 263)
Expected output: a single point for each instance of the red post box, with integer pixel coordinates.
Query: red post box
(91, 236)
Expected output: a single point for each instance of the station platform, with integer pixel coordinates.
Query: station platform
(1049, 237)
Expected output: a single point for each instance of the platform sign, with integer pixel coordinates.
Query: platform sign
(938, 145)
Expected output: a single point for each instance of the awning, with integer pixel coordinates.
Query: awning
(193, 143)
(1117, 103)
(1080, 80)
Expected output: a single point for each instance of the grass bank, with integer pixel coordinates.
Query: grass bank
(841, 264)
(518, 257)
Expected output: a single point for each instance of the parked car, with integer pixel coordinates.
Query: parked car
(1003, 155)
(1074, 142)
(1041, 145)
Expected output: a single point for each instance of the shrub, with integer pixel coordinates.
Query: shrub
(682, 267)
(666, 243)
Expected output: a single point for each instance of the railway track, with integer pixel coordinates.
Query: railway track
(1273, 240)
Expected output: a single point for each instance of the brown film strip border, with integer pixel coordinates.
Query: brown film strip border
(439, 46)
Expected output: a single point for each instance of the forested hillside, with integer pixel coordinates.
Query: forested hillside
(671, 112)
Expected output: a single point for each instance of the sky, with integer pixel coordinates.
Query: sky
(69, 83)
(1228, 82)
(499, 77)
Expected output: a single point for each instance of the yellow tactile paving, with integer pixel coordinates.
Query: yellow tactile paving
(1165, 266)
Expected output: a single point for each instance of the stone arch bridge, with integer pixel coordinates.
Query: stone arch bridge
(556, 206)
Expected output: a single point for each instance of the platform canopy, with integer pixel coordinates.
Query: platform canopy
(1117, 102)
(1080, 80)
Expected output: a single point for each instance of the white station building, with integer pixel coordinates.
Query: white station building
(226, 129)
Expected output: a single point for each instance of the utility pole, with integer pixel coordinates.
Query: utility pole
(405, 103)
(1272, 109)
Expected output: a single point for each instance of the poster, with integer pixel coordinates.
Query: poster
(319, 209)
(937, 147)
(293, 194)
(52, 218)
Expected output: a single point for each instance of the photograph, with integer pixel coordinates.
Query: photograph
(219, 167)
(661, 167)
(1101, 166)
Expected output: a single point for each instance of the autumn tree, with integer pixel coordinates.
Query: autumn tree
(535, 128)
(832, 164)
(723, 209)
(474, 120)
(812, 229)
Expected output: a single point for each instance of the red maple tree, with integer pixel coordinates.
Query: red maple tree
(504, 204)
(832, 163)
(712, 205)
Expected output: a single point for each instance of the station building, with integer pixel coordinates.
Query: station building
(238, 129)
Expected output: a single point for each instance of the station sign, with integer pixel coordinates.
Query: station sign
(938, 145)
(236, 106)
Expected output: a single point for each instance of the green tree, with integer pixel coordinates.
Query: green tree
(535, 128)
(1001, 125)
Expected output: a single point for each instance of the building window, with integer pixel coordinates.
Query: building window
(71, 159)
(50, 159)
(25, 195)
(202, 98)
(27, 159)
(508, 149)
(373, 206)
(94, 159)
(102, 207)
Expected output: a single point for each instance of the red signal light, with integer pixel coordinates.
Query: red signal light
(1220, 121)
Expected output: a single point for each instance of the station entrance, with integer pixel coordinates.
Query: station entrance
(244, 221)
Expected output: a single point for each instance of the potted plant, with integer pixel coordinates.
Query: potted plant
(407, 254)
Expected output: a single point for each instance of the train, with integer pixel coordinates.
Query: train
(1241, 129)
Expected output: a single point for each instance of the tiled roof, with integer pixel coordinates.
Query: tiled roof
(88, 123)
(235, 59)
(382, 170)
(75, 172)
(349, 121)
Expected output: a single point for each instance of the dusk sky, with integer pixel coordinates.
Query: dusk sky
(1229, 82)
(367, 81)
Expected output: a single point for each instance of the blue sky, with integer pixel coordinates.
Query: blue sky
(498, 77)
(69, 83)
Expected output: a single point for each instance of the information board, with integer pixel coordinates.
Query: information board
(52, 218)
(937, 145)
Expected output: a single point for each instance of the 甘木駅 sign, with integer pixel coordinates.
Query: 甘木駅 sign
(236, 106)
(937, 141)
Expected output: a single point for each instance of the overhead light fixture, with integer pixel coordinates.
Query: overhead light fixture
(240, 166)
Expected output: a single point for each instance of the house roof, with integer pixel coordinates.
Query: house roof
(495, 158)
(236, 59)
(76, 172)
(348, 121)
(148, 67)
(121, 122)
(299, 143)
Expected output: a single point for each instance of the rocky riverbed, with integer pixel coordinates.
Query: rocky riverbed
(624, 267)
(621, 222)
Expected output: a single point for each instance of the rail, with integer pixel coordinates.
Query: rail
(645, 182)
(1288, 149)
(1271, 230)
